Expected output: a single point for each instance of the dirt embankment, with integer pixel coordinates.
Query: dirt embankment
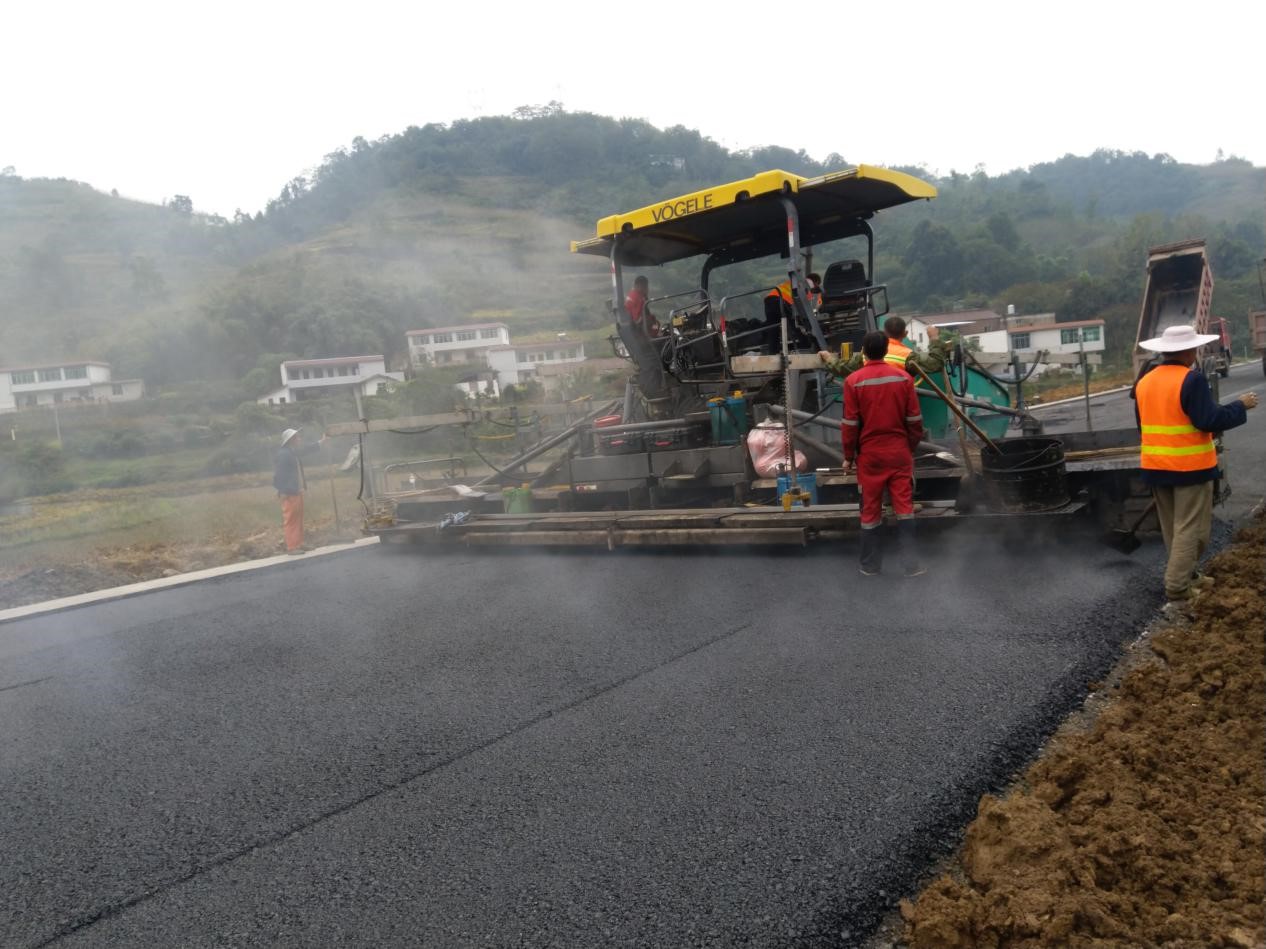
(1146, 829)
(101, 567)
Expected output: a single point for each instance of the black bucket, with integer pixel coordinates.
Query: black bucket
(1025, 474)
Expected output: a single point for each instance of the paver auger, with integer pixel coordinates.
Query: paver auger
(736, 362)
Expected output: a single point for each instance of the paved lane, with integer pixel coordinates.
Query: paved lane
(380, 749)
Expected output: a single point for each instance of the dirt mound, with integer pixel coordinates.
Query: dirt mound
(1148, 828)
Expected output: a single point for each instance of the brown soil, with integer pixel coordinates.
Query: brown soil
(1100, 382)
(1147, 827)
(99, 568)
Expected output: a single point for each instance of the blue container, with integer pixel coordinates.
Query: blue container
(807, 480)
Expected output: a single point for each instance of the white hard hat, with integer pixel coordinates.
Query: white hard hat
(288, 434)
(1177, 339)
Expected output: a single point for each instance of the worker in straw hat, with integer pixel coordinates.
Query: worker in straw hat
(290, 483)
(1178, 419)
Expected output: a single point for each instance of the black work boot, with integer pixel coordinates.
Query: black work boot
(872, 551)
(907, 550)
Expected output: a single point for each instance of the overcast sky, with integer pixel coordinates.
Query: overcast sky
(226, 101)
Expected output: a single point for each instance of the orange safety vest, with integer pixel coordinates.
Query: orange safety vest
(782, 290)
(898, 353)
(1170, 442)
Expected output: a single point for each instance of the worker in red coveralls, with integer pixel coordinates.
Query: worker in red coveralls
(882, 426)
(635, 305)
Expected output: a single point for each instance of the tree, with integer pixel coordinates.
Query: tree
(181, 203)
(147, 283)
(934, 261)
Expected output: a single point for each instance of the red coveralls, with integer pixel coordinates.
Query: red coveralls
(881, 427)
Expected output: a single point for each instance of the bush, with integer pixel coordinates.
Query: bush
(30, 468)
(251, 418)
(240, 454)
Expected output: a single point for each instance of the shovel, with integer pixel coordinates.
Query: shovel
(1126, 541)
(953, 406)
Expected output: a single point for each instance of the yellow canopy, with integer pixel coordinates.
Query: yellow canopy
(742, 219)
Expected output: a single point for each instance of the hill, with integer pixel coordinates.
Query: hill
(447, 223)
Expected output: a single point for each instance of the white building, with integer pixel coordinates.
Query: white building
(515, 364)
(456, 345)
(322, 378)
(1062, 343)
(69, 382)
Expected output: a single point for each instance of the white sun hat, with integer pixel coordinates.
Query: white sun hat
(288, 434)
(1177, 339)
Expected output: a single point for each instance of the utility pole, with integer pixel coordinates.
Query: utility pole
(1085, 373)
(1014, 359)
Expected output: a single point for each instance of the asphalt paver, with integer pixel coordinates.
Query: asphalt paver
(530, 749)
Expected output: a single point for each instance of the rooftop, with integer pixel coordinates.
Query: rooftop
(55, 365)
(959, 316)
(1029, 327)
(334, 360)
(458, 328)
(557, 344)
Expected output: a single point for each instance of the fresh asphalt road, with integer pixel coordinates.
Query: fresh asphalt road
(638, 749)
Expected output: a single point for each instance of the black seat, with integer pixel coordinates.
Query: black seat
(842, 310)
(840, 285)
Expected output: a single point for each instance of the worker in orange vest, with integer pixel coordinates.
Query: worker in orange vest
(813, 288)
(899, 354)
(1177, 419)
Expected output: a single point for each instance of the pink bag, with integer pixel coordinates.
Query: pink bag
(766, 443)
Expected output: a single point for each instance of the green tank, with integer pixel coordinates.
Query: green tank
(939, 421)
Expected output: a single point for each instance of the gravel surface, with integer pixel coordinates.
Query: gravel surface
(641, 749)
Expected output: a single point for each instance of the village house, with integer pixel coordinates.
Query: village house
(322, 378)
(455, 345)
(993, 338)
(60, 383)
(518, 363)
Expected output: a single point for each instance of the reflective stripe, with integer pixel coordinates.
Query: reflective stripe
(850, 421)
(897, 354)
(914, 418)
(1169, 442)
(1183, 450)
(1170, 429)
(871, 527)
(880, 380)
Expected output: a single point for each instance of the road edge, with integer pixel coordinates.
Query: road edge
(179, 580)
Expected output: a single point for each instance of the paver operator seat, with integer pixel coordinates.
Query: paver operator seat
(842, 310)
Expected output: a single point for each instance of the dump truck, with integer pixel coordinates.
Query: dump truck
(735, 371)
(1179, 292)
